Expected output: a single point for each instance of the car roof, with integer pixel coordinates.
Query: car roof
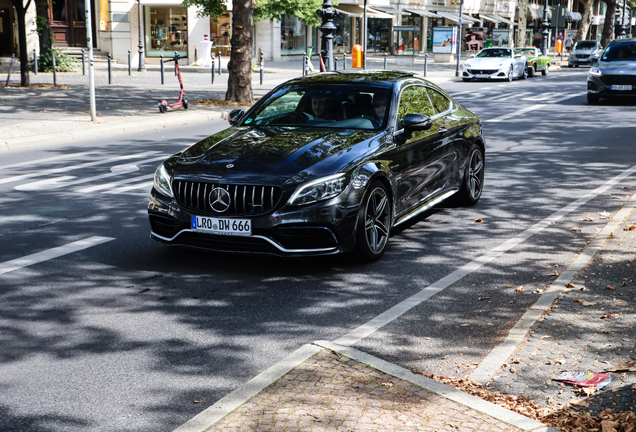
(385, 77)
(621, 41)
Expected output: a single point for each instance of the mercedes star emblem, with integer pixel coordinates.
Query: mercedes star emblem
(220, 200)
(229, 166)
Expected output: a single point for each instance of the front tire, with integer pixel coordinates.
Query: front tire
(592, 98)
(374, 223)
(511, 74)
(473, 183)
(524, 74)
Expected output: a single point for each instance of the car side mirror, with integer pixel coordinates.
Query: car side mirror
(410, 124)
(234, 116)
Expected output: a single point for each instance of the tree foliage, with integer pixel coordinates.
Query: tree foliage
(303, 9)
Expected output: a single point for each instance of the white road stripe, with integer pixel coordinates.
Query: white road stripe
(73, 167)
(115, 184)
(49, 184)
(401, 308)
(531, 108)
(144, 185)
(509, 96)
(39, 161)
(29, 260)
(543, 96)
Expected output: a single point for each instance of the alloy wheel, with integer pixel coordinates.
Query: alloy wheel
(377, 220)
(476, 174)
(510, 74)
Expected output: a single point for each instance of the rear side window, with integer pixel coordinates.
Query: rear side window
(414, 100)
(440, 102)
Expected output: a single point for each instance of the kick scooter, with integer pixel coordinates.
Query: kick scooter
(183, 100)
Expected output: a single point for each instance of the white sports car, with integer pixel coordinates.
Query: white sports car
(496, 63)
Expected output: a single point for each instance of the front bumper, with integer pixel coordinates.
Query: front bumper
(602, 85)
(484, 73)
(324, 228)
(575, 61)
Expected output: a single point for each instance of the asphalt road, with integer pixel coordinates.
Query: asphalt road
(105, 330)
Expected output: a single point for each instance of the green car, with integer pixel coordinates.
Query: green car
(537, 62)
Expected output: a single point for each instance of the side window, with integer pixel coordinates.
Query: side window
(440, 102)
(414, 100)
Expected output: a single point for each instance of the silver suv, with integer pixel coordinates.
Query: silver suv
(614, 73)
(582, 52)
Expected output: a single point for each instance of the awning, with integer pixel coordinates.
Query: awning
(389, 10)
(574, 15)
(358, 11)
(455, 18)
(486, 17)
(421, 12)
(505, 20)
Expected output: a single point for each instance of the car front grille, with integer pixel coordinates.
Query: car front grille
(582, 56)
(482, 71)
(244, 199)
(619, 79)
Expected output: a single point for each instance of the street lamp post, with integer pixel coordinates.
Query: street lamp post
(546, 25)
(141, 67)
(459, 37)
(327, 14)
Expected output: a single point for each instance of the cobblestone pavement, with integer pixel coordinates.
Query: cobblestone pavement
(591, 328)
(333, 393)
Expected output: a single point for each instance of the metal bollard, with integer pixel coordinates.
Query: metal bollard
(110, 78)
(213, 59)
(129, 65)
(54, 69)
(220, 67)
(262, 70)
(161, 63)
(335, 63)
(175, 68)
(10, 67)
(344, 62)
(386, 61)
(35, 62)
(83, 62)
(304, 63)
(425, 64)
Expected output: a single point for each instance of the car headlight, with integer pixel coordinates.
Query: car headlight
(162, 181)
(467, 65)
(595, 72)
(318, 190)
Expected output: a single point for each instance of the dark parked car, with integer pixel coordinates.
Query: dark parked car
(614, 73)
(323, 164)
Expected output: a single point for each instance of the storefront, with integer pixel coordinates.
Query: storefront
(293, 36)
(166, 30)
(221, 34)
(407, 37)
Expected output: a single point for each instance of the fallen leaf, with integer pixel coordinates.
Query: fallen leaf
(387, 384)
(478, 220)
(199, 401)
(569, 285)
(587, 303)
(539, 290)
(545, 337)
(609, 287)
(624, 284)
(519, 288)
(490, 324)
(516, 361)
(577, 229)
(609, 316)
(556, 273)
(587, 219)
(512, 370)
(465, 325)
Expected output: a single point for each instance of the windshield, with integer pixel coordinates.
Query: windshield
(495, 53)
(324, 105)
(585, 45)
(620, 52)
(527, 52)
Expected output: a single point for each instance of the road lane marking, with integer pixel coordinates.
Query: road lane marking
(509, 96)
(73, 167)
(57, 183)
(532, 108)
(49, 254)
(542, 96)
(115, 184)
(49, 159)
(144, 185)
(401, 308)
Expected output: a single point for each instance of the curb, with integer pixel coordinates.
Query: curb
(21, 143)
(500, 354)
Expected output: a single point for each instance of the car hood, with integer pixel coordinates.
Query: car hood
(584, 52)
(618, 68)
(487, 63)
(273, 155)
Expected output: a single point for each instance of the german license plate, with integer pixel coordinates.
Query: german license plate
(482, 76)
(223, 226)
(621, 87)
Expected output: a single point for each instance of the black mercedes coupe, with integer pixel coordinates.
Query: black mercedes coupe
(323, 164)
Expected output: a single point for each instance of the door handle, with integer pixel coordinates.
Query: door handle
(442, 131)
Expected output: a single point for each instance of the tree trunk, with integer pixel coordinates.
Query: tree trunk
(24, 55)
(585, 21)
(523, 16)
(42, 10)
(239, 84)
(608, 28)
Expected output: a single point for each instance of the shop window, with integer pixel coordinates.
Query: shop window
(221, 34)
(292, 36)
(166, 31)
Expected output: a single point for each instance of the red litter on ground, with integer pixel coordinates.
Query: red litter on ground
(584, 379)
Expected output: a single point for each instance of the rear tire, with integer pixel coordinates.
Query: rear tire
(374, 223)
(185, 103)
(473, 183)
(162, 109)
(531, 72)
(592, 98)
(545, 71)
